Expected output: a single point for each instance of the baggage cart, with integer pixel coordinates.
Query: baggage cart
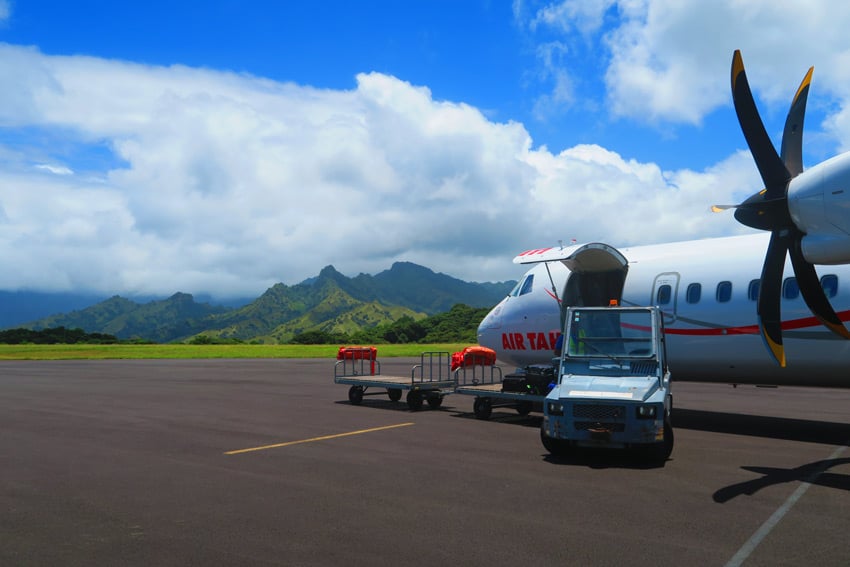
(492, 390)
(429, 381)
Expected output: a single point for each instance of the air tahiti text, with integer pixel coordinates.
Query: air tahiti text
(530, 341)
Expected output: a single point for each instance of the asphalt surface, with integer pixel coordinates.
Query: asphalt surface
(265, 462)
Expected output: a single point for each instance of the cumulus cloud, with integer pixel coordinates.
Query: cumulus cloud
(225, 183)
(663, 57)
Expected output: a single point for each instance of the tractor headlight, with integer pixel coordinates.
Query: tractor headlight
(647, 412)
(555, 408)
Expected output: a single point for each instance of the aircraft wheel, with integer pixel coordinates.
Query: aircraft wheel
(482, 408)
(355, 395)
(394, 394)
(414, 400)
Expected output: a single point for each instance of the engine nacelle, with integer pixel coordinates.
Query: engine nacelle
(825, 249)
(819, 204)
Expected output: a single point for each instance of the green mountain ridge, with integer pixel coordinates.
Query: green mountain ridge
(330, 302)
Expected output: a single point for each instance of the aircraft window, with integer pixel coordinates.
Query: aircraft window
(515, 291)
(724, 292)
(790, 289)
(663, 295)
(829, 283)
(694, 293)
(526, 285)
(523, 287)
(753, 290)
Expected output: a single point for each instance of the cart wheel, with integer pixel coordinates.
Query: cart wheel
(435, 401)
(355, 395)
(394, 394)
(556, 447)
(482, 408)
(524, 408)
(414, 400)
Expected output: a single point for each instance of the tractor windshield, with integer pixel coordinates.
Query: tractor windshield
(611, 333)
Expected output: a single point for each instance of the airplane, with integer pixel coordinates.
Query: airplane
(724, 321)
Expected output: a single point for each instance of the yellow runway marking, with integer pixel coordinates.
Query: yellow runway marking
(323, 438)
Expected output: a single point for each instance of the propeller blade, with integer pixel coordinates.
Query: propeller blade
(773, 172)
(770, 318)
(812, 291)
(721, 208)
(792, 137)
(768, 210)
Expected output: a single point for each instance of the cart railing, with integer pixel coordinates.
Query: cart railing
(355, 361)
(475, 372)
(433, 367)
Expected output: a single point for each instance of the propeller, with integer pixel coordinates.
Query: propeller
(768, 210)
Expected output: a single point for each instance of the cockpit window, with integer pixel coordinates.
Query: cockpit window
(524, 286)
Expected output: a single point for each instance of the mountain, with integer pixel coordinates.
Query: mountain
(159, 321)
(423, 290)
(329, 302)
(332, 302)
(17, 307)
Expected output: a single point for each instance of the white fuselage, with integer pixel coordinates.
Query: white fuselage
(709, 337)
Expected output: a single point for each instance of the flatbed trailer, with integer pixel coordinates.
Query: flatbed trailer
(430, 380)
(486, 383)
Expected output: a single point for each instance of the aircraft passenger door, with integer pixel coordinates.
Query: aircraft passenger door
(665, 291)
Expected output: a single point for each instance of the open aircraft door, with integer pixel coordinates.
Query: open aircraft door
(598, 272)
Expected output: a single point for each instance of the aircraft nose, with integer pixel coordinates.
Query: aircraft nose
(493, 320)
(489, 326)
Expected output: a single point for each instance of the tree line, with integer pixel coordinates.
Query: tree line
(55, 335)
(458, 325)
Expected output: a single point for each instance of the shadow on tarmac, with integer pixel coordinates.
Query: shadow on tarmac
(606, 459)
(812, 473)
(803, 430)
(506, 416)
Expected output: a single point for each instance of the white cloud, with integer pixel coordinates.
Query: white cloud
(584, 16)
(663, 57)
(232, 183)
(5, 10)
(54, 169)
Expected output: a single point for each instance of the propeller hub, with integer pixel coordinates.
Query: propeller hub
(764, 214)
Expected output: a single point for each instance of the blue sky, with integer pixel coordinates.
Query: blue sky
(483, 53)
(219, 147)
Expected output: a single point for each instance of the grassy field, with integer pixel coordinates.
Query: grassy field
(73, 352)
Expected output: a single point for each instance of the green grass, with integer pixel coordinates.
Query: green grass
(79, 352)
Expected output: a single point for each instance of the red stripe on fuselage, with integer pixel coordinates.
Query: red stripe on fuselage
(794, 324)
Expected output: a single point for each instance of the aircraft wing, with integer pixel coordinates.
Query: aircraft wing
(593, 256)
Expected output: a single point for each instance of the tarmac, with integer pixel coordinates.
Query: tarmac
(265, 462)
